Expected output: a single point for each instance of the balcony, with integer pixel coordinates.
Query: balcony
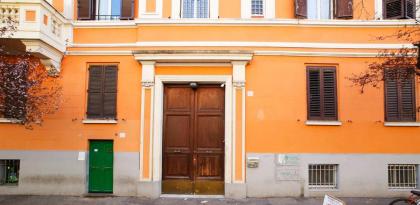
(40, 30)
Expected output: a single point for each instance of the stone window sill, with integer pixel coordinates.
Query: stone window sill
(8, 120)
(93, 121)
(323, 123)
(402, 124)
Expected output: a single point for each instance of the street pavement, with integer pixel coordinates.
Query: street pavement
(68, 200)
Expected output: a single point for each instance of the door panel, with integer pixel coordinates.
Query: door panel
(193, 144)
(101, 157)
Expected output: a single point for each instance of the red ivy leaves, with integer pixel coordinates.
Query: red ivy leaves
(27, 92)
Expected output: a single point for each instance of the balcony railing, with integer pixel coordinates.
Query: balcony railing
(39, 26)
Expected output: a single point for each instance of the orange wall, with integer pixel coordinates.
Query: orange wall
(65, 130)
(59, 5)
(276, 114)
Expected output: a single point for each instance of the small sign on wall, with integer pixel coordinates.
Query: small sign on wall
(81, 156)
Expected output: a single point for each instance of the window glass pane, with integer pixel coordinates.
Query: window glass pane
(116, 9)
(103, 9)
(312, 9)
(202, 8)
(325, 9)
(257, 7)
(188, 8)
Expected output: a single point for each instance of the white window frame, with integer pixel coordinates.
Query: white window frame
(263, 12)
(318, 5)
(269, 9)
(379, 10)
(195, 12)
(176, 12)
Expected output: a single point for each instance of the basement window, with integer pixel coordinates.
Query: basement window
(9, 172)
(323, 176)
(402, 176)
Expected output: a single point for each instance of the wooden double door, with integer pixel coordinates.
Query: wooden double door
(193, 139)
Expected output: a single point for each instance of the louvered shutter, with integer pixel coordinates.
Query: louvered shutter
(127, 9)
(110, 92)
(329, 94)
(410, 9)
(343, 9)
(95, 96)
(393, 9)
(400, 98)
(322, 93)
(301, 9)
(84, 9)
(314, 93)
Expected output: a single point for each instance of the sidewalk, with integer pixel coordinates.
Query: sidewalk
(65, 200)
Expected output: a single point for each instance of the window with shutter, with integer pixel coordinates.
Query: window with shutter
(322, 93)
(85, 9)
(102, 92)
(343, 9)
(400, 103)
(301, 8)
(399, 9)
(105, 9)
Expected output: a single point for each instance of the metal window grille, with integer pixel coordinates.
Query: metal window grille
(257, 7)
(323, 176)
(9, 172)
(195, 9)
(402, 176)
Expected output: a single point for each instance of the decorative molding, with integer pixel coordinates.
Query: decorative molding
(402, 124)
(158, 119)
(323, 123)
(256, 52)
(198, 56)
(154, 15)
(147, 84)
(50, 56)
(249, 44)
(239, 84)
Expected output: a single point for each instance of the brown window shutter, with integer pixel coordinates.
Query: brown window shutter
(393, 9)
(85, 9)
(95, 93)
(110, 92)
(400, 104)
(301, 9)
(329, 93)
(322, 93)
(314, 93)
(410, 9)
(343, 9)
(127, 9)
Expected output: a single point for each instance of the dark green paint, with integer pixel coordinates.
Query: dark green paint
(101, 159)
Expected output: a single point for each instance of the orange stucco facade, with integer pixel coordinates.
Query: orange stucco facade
(269, 108)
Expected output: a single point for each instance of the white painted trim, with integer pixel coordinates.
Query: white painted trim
(243, 134)
(158, 118)
(193, 58)
(214, 9)
(195, 64)
(323, 123)
(256, 52)
(270, 9)
(142, 133)
(246, 21)
(176, 9)
(402, 124)
(8, 120)
(245, 9)
(92, 121)
(250, 44)
(378, 9)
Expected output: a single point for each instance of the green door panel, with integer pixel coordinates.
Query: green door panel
(101, 160)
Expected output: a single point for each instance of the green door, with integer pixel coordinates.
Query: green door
(101, 157)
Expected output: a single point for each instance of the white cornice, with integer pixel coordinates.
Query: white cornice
(249, 22)
(250, 44)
